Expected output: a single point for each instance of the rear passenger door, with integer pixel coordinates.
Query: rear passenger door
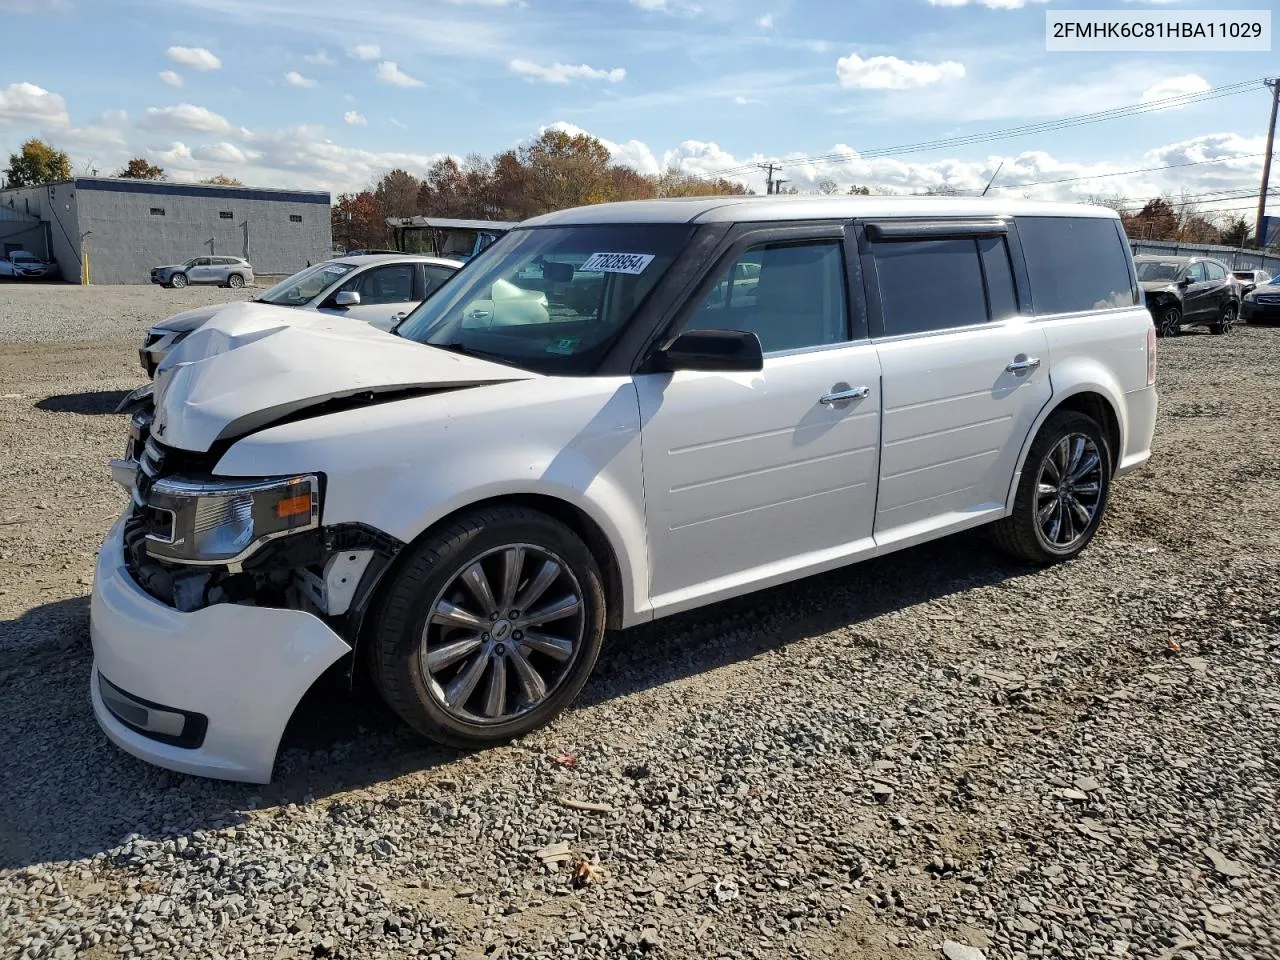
(965, 373)
(1197, 295)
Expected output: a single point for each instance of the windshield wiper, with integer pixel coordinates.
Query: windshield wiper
(467, 351)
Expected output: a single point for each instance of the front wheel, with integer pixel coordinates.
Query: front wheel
(1226, 322)
(1169, 322)
(490, 629)
(178, 281)
(1063, 491)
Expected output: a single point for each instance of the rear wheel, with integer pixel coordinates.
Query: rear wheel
(1226, 322)
(235, 281)
(490, 629)
(178, 281)
(1169, 322)
(1063, 491)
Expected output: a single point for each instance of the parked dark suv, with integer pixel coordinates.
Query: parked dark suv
(1188, 292)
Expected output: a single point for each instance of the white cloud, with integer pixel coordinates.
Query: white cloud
(997, 4)
(397, 124)
(320, 59)
(388, 72)
(744, 101)
(564, 72)
(27, 103)
(364, 51)
(1188, 83)
(294, 79)
(225, 153)
(765, 22)
(355, 118)
(890, 73)
(197, 58)
(186, 116)
(633, 153)
(171, 78)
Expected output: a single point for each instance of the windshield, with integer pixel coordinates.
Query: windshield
(551, 300)
(24, 258)
(1150, 271)
(303, 286)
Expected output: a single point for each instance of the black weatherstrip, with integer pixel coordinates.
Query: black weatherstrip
(901, 230)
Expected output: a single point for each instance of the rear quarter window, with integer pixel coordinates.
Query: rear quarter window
(1076, 264)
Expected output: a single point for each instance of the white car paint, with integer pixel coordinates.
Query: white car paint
(704, 485)
(162, 337)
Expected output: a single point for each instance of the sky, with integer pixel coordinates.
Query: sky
(331, 93)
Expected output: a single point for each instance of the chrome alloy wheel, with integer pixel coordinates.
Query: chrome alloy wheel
(1069, 490)
(503, 634)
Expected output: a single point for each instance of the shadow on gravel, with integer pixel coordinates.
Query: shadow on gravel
(68, 793)
(93, 404)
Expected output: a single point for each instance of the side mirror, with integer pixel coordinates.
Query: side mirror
(557, 272)
(713, 350)
(347, 298)
(1184, 281)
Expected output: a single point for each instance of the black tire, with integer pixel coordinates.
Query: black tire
(1169, 322)
(235, 281)
(178, 281)
(1022, 533)
(1226, 320)
(397, 629)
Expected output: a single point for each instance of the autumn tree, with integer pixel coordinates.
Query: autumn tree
(358, 220)
(565, 170)
(674, 182)
(139, 168)
(222, 180)
(37, 162)
(1157, 220)
(397, 192)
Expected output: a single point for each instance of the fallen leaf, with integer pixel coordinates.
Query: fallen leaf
(586, 872)
(565, 760)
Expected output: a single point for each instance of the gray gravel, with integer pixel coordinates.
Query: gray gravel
(941, 753)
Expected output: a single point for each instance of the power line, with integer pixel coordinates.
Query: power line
(1125, 173)
(1046, 126)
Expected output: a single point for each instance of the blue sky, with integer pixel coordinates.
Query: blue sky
(328, 93)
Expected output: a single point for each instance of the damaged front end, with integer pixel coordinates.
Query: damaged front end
(193, 540)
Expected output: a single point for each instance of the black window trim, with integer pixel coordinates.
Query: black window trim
(911, 230)
(738, 240)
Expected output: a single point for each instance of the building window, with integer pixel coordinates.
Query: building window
(295, 218)
(226, 214)
(157, 211)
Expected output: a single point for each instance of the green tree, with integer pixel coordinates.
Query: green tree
(397, 192)
(37, 162)
(1237, 232)
(139, 168)
(222, 180)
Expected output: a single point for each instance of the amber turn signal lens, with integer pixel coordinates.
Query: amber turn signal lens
(296, 506)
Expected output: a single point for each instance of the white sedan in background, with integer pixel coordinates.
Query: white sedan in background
(378, 289)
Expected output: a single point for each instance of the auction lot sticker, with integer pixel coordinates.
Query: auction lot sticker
(1142, 31)
(632, 263)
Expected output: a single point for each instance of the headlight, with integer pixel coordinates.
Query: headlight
(223, 522)
(136, 398)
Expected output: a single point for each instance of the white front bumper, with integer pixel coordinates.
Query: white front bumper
(243, 668)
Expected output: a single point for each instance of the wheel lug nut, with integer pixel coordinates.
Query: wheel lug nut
(484, 637)
(514, 614)
(518, 635)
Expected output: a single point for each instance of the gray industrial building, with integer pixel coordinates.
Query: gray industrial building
(112, 230)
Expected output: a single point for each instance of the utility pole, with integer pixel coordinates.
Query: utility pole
(769, 168)
(1261, 230)
(777, 185)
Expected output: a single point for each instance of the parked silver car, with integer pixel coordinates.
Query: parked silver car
(23, 265)
(379, 290)
(220, 271)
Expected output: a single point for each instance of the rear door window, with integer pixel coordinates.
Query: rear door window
(927, 285)
(1076, 264)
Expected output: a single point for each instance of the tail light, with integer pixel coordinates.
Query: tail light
(1151, 356)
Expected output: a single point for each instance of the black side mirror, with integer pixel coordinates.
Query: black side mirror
(1184, 281)
(557, 272)
(713, 350)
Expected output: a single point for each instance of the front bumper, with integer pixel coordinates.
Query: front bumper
(243, 669)
(1252, 311)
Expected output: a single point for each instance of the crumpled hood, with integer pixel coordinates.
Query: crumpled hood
(253, 364)
(188, 320)
(1159, 286)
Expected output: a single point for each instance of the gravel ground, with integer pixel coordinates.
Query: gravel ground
(938, 753)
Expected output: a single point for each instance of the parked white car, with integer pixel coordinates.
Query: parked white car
(464, 507)
(379, 290)
(23, 265)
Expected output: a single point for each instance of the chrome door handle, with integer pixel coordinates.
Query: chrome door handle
(858, 393)
(1027, 363)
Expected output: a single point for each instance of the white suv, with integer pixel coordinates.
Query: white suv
(724, 394)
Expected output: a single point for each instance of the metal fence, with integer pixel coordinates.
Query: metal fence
(1236, 258)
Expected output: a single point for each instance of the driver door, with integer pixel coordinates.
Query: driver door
(201, 271)
(757, 478)
(1197, 303)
